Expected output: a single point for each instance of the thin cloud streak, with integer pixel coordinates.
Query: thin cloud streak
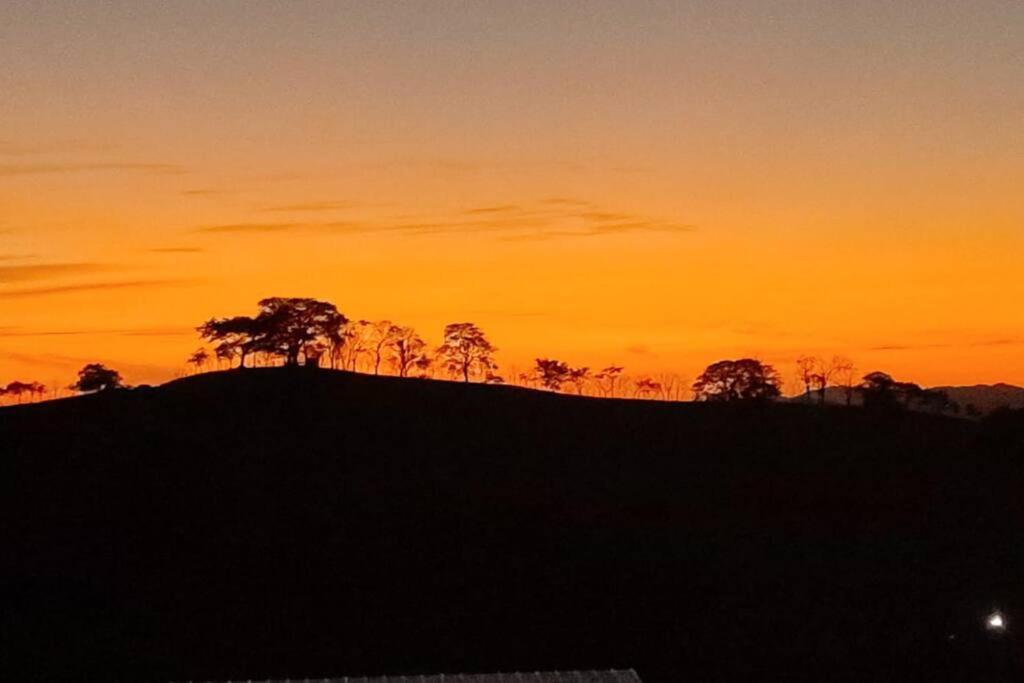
(35, 169)
(972, 345)
(177, 250)
(88, 287)
(312, 207)
(559, 218)
(45, 271)
(53, 360)
(250, 227)
(131, 332)
(501, 208)
(10, 148)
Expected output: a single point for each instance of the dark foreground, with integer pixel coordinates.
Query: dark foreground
(275, 523)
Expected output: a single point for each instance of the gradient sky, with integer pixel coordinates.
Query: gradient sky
(656, 184)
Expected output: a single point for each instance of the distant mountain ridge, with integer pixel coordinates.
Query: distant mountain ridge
(986, 398)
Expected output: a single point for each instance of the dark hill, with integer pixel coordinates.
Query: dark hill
(977, 399)
(274, 523)
(987, 398)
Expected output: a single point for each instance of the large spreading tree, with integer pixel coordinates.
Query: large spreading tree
(293, 327)
(737, 380)
(286, 327)
(467, 352)
(97, 377)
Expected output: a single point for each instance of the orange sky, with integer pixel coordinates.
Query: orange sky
(655, 184)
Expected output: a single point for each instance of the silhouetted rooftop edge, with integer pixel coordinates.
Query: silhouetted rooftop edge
(611, 676)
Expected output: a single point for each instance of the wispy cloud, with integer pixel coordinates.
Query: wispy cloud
(201, 192)
(87, 287)
(176, 250)
(61, 362)
(548, 219)
(11, 148)
(120, 332)
(565, 201)
(500, 208)
(250, 227)
(983, 343)
(34, 169)
(312, 206)
(16, 257)
(45, 271)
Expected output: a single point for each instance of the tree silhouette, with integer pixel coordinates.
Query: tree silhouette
(358, 338)
(607, 378)
(198, 359)
(646, 387)
(826, 371)
(232, 337)
(881, 392)
(467, 352)
(37, 390)
(578, 377)
(526, 379)
(224, 353)
(293, 327)
(18, 389)
(285, 327)
(408, 351)
(806, 368)
(97, 377)
(335, 339)
(672, 386)
(845, 373)
(936, 401)
(552, 373)
(737, 380)
(383, 334)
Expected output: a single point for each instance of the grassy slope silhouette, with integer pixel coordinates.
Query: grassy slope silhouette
(288, 522)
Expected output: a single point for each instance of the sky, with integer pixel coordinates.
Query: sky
(658, 185)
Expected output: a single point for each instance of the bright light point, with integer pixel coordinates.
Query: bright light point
(995, 622)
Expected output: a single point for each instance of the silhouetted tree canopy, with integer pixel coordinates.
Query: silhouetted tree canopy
(383, 334)
(737, 380)
(97, 377)
(285, 327)
(467, 352)
(578, 378)
(19, 389)
(290, 327)
(199, 358)
(232, 337)
(552, 373)
(881, 392)
(37, 389)
(646, 387)
(806, 368)
(607, 378)
(846, 376)
(408, 351)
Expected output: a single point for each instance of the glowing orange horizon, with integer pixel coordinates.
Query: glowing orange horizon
(657, 189)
